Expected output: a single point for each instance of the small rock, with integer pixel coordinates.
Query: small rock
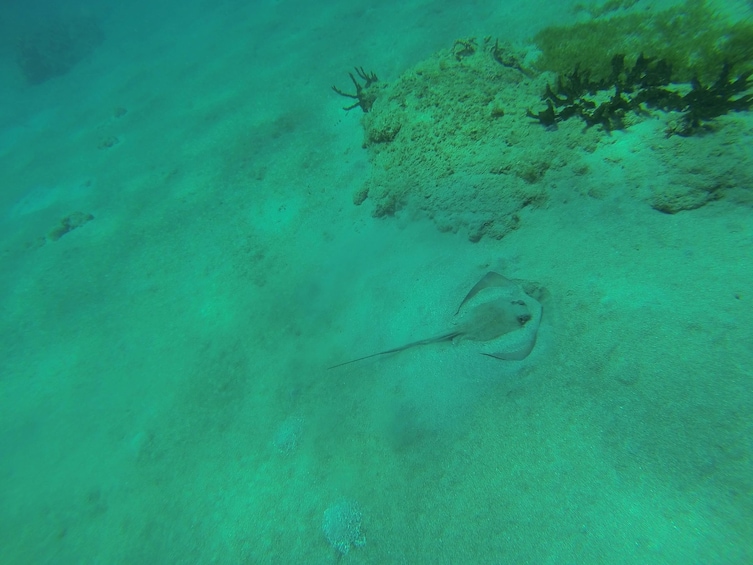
(342, 526)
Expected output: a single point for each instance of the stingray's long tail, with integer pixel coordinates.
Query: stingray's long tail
(436, 339)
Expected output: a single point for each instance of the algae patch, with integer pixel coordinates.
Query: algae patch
(694, 38)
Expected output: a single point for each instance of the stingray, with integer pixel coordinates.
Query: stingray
(503, 314)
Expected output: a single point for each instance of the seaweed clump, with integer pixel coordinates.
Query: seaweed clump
(364, 96)
(727, 94)
(647, 84)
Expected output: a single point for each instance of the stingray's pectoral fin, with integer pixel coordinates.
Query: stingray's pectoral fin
(517, 345)
(490, 279)
(515, 354)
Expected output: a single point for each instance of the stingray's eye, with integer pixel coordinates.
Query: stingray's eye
(523, 318)
(518, 302)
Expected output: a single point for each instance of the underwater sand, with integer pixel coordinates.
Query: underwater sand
(164, 396)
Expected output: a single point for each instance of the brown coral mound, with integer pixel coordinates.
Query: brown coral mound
(451, 140)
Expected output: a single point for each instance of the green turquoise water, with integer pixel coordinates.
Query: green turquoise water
(181, 259)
